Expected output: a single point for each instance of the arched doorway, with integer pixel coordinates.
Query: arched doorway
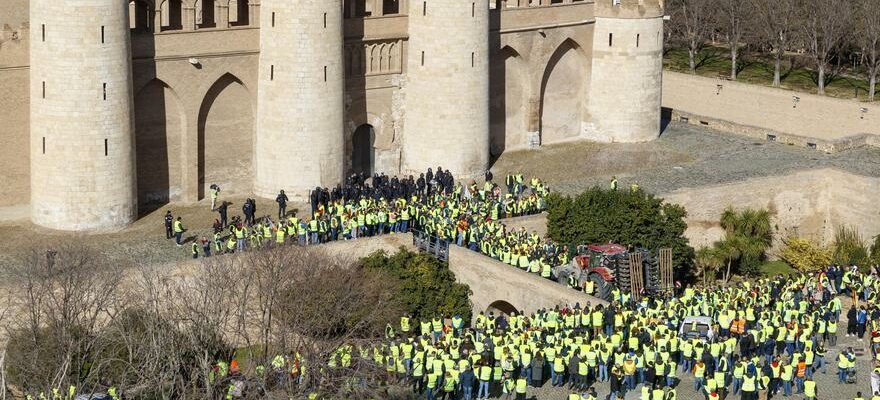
(158, 131)
(226, 138)
(501, 307)
(507, 116)
(363, 153)
(562, 94)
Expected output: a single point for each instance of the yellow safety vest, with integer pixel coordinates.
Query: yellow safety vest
(810, 389)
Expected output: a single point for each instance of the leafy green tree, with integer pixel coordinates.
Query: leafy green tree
(707, 262)
(875, 250)
(747, 236)
(805, 255)
(627, 217)
(426, 285)
(849, 248)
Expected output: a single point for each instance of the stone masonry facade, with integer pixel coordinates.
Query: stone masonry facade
(149, 102)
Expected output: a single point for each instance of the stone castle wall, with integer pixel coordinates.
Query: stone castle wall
(624, 105)
(813, 204)
(82, 154)
(196, 84)
(447, 99)
(798, 118)
(299, 140)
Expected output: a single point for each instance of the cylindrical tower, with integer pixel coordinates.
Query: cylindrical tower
(300, 105)
(624, 100)
(447, 89)
(82, 152)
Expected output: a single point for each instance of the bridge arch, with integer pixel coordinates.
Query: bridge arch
(502, 307)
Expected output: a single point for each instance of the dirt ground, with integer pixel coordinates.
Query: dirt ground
(684, 156)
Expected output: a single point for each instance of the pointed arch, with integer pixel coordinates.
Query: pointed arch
(562, 91)
(226, 136)
(160, 125)
(393, 63)
(508, 111)
(374, 59)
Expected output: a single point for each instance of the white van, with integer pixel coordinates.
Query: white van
(697, 327)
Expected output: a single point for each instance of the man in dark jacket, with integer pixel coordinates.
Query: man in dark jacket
(224, 206)
(281, 199)
(466, 379)
(169, 221)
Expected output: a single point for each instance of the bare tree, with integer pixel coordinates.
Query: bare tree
(867, 34)
(65, 294)
(692, 23)
(774, 25)
(81, 320)
(825, 24)
(735, 17)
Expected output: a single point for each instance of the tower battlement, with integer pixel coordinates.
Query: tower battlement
(629, 8)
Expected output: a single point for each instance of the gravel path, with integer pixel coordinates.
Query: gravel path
(684, 156)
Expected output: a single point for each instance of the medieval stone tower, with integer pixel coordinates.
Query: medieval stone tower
(447, 97)
(627, 71)
(267, 95)
(299, 136)
(81, 151)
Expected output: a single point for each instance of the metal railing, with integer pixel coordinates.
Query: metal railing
(433, 245)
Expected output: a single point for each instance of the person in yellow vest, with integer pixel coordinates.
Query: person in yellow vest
(508, 386)
(433, 380)
(521, 386)
(699, 375)
(750, 387)
(178, 231)
(484, 375)
(404, 324)
(657, 393)
(810, 391)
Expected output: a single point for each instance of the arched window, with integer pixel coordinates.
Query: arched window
(172, 15)
(205, 14)
(140, 17)
(239, 12)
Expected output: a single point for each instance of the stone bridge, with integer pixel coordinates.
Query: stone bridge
(495, 286)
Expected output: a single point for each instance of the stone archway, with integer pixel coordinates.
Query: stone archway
(501, 307)
(226, 138)
(507, 111)
(562, 88)
(159, 129)
(363, 150)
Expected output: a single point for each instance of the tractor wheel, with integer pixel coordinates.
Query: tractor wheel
(653, 274)
(622, 277)
(603, 289)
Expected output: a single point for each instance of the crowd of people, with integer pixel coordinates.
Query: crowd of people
(434, 205)
(769, 338)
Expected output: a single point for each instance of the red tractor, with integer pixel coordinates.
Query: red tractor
(608, 266)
